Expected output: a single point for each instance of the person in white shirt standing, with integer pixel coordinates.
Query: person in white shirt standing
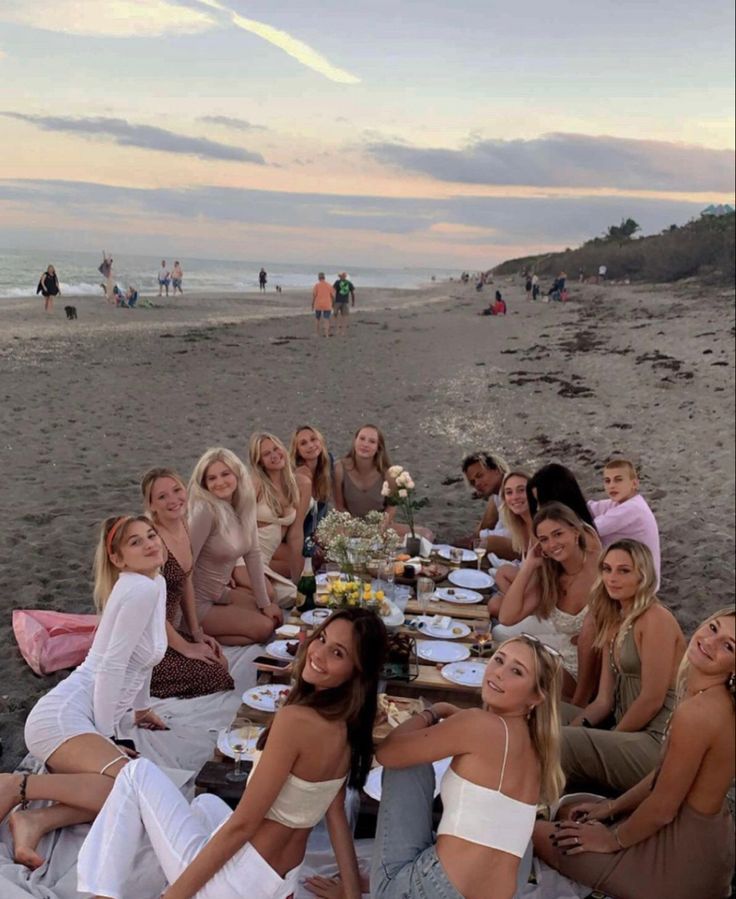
(163, 278)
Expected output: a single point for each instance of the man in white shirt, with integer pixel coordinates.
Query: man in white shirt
(163, 279)
(602, 270)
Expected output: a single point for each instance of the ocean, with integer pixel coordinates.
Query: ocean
(77, 272)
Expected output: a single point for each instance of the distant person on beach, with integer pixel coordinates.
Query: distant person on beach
(323, 296)
(581, 275)
(497, 307)
(48, 287)
(602, 272)
(131, 297)
(535, 286)
(177, 276)
(528, 287)
(163, 278)
(344, 298)
(105, 269)
(262, 280)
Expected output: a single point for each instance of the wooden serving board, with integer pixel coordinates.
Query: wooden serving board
(454, 610)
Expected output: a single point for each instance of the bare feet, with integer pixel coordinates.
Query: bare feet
(26, 835)
(9, 793)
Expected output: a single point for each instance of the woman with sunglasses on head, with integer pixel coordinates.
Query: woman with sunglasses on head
(210, 852)
(73, 729)
(672, 834)
(642, 646)
(549, 596)
(505, 758)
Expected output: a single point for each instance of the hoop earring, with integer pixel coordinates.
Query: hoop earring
(731, 682)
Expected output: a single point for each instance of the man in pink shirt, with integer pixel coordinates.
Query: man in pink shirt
(322, 298)
(625, 514)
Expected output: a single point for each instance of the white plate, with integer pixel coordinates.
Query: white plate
(467, 674)
(395, 618)
(265, 698)
(441, 651)
(443, 551)
(443, 633)
(223, 744)
(459, 596)
(279, 650)
(469, 577)
(288, 631)
(308, 617)
(372, 786)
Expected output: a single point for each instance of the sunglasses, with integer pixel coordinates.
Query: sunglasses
(531, 638)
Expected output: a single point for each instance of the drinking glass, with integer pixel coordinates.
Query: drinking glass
(425, 589)
(332, 570)
(238, 736)
(482, 633)
(479, 548)
(387, 573)
(456, 557)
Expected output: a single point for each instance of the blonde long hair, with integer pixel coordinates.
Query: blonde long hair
(106, 573)
(243, 502)
(544, 719)
(552, 571)
(382, 462)
(684, 669)
(606, 612)
(322, 480)
(265, 488)
(150, 478)
(515, 524)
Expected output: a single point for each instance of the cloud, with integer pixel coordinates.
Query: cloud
(295, 48)
(147, 137)
(570, 160)
(231, 122)
(113, 18)
(477, 221)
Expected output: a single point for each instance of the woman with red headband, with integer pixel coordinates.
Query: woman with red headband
(73, 729)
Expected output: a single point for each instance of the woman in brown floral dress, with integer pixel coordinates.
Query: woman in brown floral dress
(194, 664)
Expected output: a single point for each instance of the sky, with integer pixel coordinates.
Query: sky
(417, 132)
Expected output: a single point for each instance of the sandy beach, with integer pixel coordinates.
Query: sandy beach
(89, 405)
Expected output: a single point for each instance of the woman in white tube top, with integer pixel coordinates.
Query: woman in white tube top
(73, 728)
(208, 851)
(505, 758)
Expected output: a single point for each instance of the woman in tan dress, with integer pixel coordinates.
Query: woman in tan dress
(673, 836)
(194, 664)
(642, 646)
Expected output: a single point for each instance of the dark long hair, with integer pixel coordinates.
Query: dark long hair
(555, 483)
(355, 701)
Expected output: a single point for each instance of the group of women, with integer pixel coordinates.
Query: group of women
(649, 725)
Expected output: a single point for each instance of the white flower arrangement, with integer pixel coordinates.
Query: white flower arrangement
(351, 542)
(398, 489)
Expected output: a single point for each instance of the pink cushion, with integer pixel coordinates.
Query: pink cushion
(50, 641)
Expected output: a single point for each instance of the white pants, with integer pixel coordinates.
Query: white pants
(145, 802)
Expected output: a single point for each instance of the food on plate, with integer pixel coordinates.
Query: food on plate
(450, 591)
(394, 710)
(292, 647)
(441, 622)
(457, 631)
(403, 557)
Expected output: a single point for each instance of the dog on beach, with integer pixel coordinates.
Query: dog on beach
(278, 288)
(71, 313)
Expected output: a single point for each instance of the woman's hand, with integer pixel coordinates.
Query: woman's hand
(216, 648)
(273, 612)
(444, 709)
(574, 837)
(325, 887)
(534, 557)
(147, 719)
(591, 811)
(200, 651)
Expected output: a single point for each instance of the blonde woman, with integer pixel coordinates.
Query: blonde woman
(280, 508)
(73, 729)
(311, 459)
(672, 833)
(194, 664)
(359, 476)
(516, 517)
(505, 759)
(223, 531)
(550, 594)
(642, 646)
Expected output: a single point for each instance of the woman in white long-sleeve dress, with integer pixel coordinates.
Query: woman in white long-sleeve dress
(73, 728)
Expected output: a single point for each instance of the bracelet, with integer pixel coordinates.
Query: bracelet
(614, 831)
(611, 813)
(586, 722)
(433, 715)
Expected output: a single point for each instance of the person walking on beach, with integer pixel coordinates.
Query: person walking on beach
(344, 298)
(48, 286)
(105, 269)
(262, 280)
(163, 278)
(602, 272)
(323, 295)
(177, 276)
(535, 286)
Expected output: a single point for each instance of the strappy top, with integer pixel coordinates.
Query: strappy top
(175, 577)
(303, 803)
(566, 627)
(266, 515)
(484, 816)
(628, 687)
(360, 502)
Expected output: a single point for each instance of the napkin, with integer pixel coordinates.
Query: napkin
(441, 622)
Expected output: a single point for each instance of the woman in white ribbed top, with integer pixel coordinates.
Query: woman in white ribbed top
(73, 728)
(505, 756)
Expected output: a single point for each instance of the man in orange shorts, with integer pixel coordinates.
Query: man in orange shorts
(322, 298)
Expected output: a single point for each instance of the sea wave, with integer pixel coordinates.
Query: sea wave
(79, 289)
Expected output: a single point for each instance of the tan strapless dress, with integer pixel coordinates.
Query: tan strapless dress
(270, 537)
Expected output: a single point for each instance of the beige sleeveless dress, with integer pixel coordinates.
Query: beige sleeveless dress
(270, 537)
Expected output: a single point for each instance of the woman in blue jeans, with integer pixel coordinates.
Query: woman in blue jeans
(505, 758)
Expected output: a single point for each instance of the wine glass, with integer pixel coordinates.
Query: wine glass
(479, 548)
(387, 573)
(425, 589)
(238, 737)
(332, 570)
(456, 557)
(482, 633)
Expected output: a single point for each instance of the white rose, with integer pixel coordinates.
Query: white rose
(385, 490)
(394, 471)
(409, 483)
(403, 493)
(402, 479)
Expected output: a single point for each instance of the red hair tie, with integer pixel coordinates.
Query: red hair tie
(113, 530)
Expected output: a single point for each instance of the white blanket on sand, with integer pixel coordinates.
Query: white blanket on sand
(194, 725)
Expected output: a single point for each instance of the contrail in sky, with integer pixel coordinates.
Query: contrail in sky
(302, 52)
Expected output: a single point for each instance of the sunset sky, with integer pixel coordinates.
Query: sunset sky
(384, 133)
